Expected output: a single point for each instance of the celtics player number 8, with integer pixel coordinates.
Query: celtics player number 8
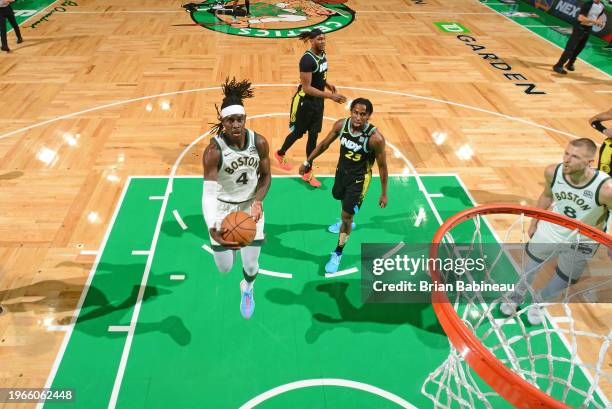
(570, 212)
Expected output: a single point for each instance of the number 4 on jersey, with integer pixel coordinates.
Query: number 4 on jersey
(243, 178)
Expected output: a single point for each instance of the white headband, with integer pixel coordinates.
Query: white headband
(232, 110)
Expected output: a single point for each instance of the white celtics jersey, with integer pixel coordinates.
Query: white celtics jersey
(580, 203)
(238, 170)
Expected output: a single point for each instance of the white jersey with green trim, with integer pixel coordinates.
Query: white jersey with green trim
(238, 170)
(577, 202)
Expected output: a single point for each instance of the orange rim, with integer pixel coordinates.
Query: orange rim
(502, 379)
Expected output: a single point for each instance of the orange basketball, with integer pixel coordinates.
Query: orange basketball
(239, 227)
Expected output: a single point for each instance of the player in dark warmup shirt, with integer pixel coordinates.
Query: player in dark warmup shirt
(307, 103)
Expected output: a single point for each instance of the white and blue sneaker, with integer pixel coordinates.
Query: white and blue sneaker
(535, 314)
(333, 263)
(247, 300)
(335, 228)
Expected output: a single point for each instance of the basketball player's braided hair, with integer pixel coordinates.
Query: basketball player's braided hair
(234, 92)
(309, 35)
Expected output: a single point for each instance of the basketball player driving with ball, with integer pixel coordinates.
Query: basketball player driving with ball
(236, 178)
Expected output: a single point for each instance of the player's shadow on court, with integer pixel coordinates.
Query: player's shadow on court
(397, 224)
(400, 224)
(276, 247)
(195, 226)
(276, 243)
(55, 40)
(346, 312)
(101, 309)
(576, 75)
(11, 175)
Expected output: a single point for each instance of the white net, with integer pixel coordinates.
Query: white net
(554, 329)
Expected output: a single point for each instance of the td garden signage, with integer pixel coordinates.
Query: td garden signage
(272, 18)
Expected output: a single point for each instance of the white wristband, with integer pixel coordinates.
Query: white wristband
(209, 202)
(306, 163)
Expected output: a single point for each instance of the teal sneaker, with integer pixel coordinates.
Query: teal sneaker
(335, 228)
(333, 263)
(247, 301)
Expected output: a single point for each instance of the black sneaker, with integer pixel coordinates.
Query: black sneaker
(559, 70)
(1, 310)
(5, 49)
(570, 67)
(19, 40)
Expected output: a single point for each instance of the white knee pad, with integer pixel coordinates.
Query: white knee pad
(224, 260)
(250, 259)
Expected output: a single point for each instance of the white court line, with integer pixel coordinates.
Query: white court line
(329, 175)
(342, 273)
(145, 277)
(127, 101)
(122, 11)
(89, 252)
(179, 220)
(275, 274)
(207, 248)
(156, 197)
(604, 92)
(436, 195)
(177, 277)
(538, 25)
(505, 321)
(543, 38)
(77, 312)
(394, 250)
(141, 252)
(324, 175)
(452, 13)
(420, 217)
(326, 382)
(58, 328)
(118, 328)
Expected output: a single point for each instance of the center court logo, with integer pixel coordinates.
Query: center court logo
(272, 19)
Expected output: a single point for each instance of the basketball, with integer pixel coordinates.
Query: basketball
(239, 227)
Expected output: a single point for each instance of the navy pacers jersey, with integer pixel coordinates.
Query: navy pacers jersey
(355, 156)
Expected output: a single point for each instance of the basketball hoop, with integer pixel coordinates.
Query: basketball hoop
(513, 367)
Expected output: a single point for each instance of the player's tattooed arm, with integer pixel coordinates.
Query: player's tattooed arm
(265, 177)
(377, 141)
(546, 197)
(322, 146)
(211, 159)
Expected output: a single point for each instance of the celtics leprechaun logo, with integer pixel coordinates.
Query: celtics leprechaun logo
(271, 19)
